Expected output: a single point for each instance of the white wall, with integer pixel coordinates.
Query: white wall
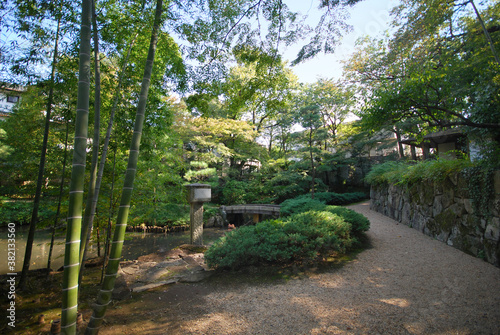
(5, 105)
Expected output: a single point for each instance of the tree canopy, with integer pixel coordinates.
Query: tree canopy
(438, 70)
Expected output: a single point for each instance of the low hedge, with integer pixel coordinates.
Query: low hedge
(300, 237)
(359, 222)
(304, 203)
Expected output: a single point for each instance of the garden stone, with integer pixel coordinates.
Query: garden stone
(153, 285)
(427, 195)
(454, 179)
(496, 207)
(457, 210)
(214, 221)
(462, 188)
(437, 207)
(195, 275)
(448, 198)
(406, 216)
(438, 188)
(483, 223)
(468, 206)
(426, 210)
(496, 182)
(492, 231)
(453, 236)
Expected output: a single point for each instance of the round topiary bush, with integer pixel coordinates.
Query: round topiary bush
(302, 237)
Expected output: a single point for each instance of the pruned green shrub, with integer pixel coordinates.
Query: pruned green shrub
(304, 202)
(332, 198)
(299, 205)
(303, 237)
(359, 222)
(285, 185)
(309, 229)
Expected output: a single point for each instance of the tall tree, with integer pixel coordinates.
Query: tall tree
(59, 200)
(91, 202)
(104, 296)
(73, 230)
(314, 133)
(335, 101)
(41, 169)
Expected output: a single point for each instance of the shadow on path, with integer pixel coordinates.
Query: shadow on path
(405, 283)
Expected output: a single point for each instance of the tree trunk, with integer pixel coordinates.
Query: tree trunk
(486, 33)
(104, 296)
(41, 167)
(98, 243)
(91, 205)
(400, 145)
(61, 188)
(413, 153)
(312, 163)
(73, 232)
(110, 218)
(88, 217)
(271, 140)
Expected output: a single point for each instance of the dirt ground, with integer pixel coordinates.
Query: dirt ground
(405, 283)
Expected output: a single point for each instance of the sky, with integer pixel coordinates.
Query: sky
(368, 17)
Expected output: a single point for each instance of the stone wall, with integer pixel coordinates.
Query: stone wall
(446, 212)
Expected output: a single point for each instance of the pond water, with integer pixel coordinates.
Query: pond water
(135, 245)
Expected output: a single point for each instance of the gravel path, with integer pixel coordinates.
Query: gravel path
(407, 283)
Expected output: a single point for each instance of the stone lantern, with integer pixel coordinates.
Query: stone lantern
(198, 194)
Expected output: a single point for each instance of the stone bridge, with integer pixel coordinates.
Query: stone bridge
(256, 210)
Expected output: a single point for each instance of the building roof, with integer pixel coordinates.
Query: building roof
(12, 88)
(434, 139)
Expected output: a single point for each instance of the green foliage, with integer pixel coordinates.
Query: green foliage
(234, 192)
(210, 210)
(5, 150)
(286, 184)
(199, 175)
(161, 214)
(300, 204)
(409, 173)
(433, 170)
(309, 230)
(436, 71)
(22, 134)
(303, 237)
(305, 203)
(388, 172)
(481, 188)
(332, 198)
(20, 212)
(359, 223)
